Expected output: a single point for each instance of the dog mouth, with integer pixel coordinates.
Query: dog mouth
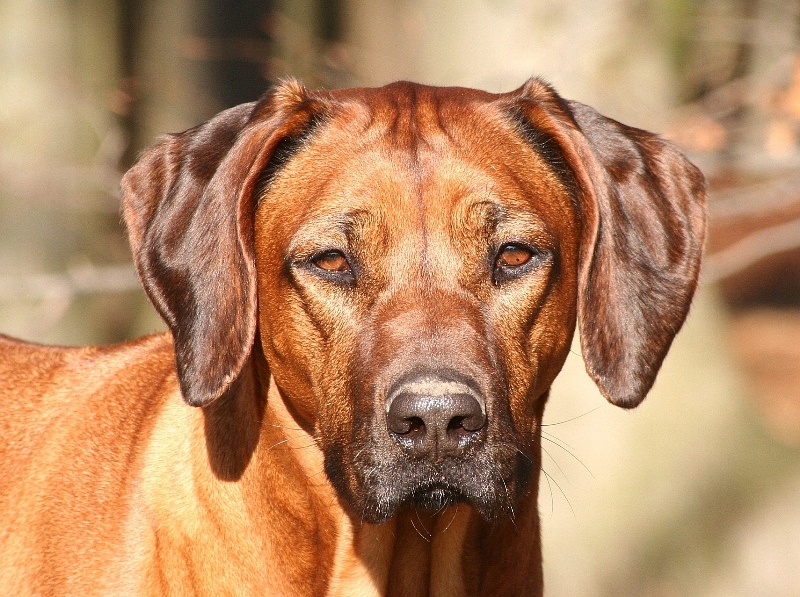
(378, 490)
(436, 497)
(379, 506)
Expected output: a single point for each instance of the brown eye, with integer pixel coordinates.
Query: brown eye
(332, 261)
(513, 256)
(515, 261)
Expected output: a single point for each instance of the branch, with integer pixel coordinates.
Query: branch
(755, 199)
(751, 249)
(84, 279)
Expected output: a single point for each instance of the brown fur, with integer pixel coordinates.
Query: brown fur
(286, 480)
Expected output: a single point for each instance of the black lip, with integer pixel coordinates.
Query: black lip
(436, 497)
(431, 488)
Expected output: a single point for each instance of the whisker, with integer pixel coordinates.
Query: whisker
(284, 427)
(550, 488)
(283, 441)
(558, 466)
(358, 453)
(561, 490)
(422, 524)
(311, 445)
(288, 439)
(523, 454)
(452, 519)
(552, 438)
(572, 419)
(416, 529)
(556, 442)
(510, 504)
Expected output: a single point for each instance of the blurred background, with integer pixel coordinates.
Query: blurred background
(697, 492)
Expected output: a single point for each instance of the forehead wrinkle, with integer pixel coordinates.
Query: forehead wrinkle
(503, 220)
(326, 226)
(434, 141)
(414, 136)
(408, 170)
(403, 140)
(489, 211)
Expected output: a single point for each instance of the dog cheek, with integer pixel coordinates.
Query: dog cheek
(289, 345)
(350, 454)
(335, 405)
(359, 454)
(550, 339)
(330, 373)
(532, 348)
(518, 353)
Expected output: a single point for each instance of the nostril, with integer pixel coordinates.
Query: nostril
(456, 423)
(456, 431)
(405, 415)
(471, 422)
(463, 428)
(415, 424)
(406, 426)
(436, 419)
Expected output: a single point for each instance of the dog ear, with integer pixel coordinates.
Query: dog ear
(189, 205)
(642, 210)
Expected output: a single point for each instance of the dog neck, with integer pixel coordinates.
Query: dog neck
(450, 553)
(453, 552)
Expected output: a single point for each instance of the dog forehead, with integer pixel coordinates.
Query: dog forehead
(410, 98)
(444, 134)
(410, 117)
(412, 157)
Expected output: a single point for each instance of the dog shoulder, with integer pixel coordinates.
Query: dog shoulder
(51, 392)
(34, 374)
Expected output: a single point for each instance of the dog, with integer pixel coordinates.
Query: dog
(369, 293)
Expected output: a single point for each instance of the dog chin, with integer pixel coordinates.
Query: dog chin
(435, 498)
(432, 498)
(376, 489)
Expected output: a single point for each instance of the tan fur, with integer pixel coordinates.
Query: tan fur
(283, 476)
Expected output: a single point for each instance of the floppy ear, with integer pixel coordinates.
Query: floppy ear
(642, 211)
(188, 205)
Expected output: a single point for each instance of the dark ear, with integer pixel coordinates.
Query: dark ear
(642, 210)
(188, 204)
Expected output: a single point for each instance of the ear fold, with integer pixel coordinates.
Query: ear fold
(188, 204)
(642, 209)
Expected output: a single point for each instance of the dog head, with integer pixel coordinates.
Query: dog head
(413, 261)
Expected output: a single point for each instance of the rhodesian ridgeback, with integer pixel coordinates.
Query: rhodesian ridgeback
(369, 293)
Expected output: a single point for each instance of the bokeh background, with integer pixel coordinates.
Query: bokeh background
(697, 492)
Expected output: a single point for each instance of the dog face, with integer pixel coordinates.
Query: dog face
(430, 273)
(414, 260)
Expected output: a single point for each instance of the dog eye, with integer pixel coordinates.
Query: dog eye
(514, 261)
(333, 262)
(513, 256)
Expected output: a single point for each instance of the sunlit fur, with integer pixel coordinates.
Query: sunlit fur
(285, 480)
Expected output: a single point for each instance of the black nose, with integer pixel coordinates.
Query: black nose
(434, 416)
